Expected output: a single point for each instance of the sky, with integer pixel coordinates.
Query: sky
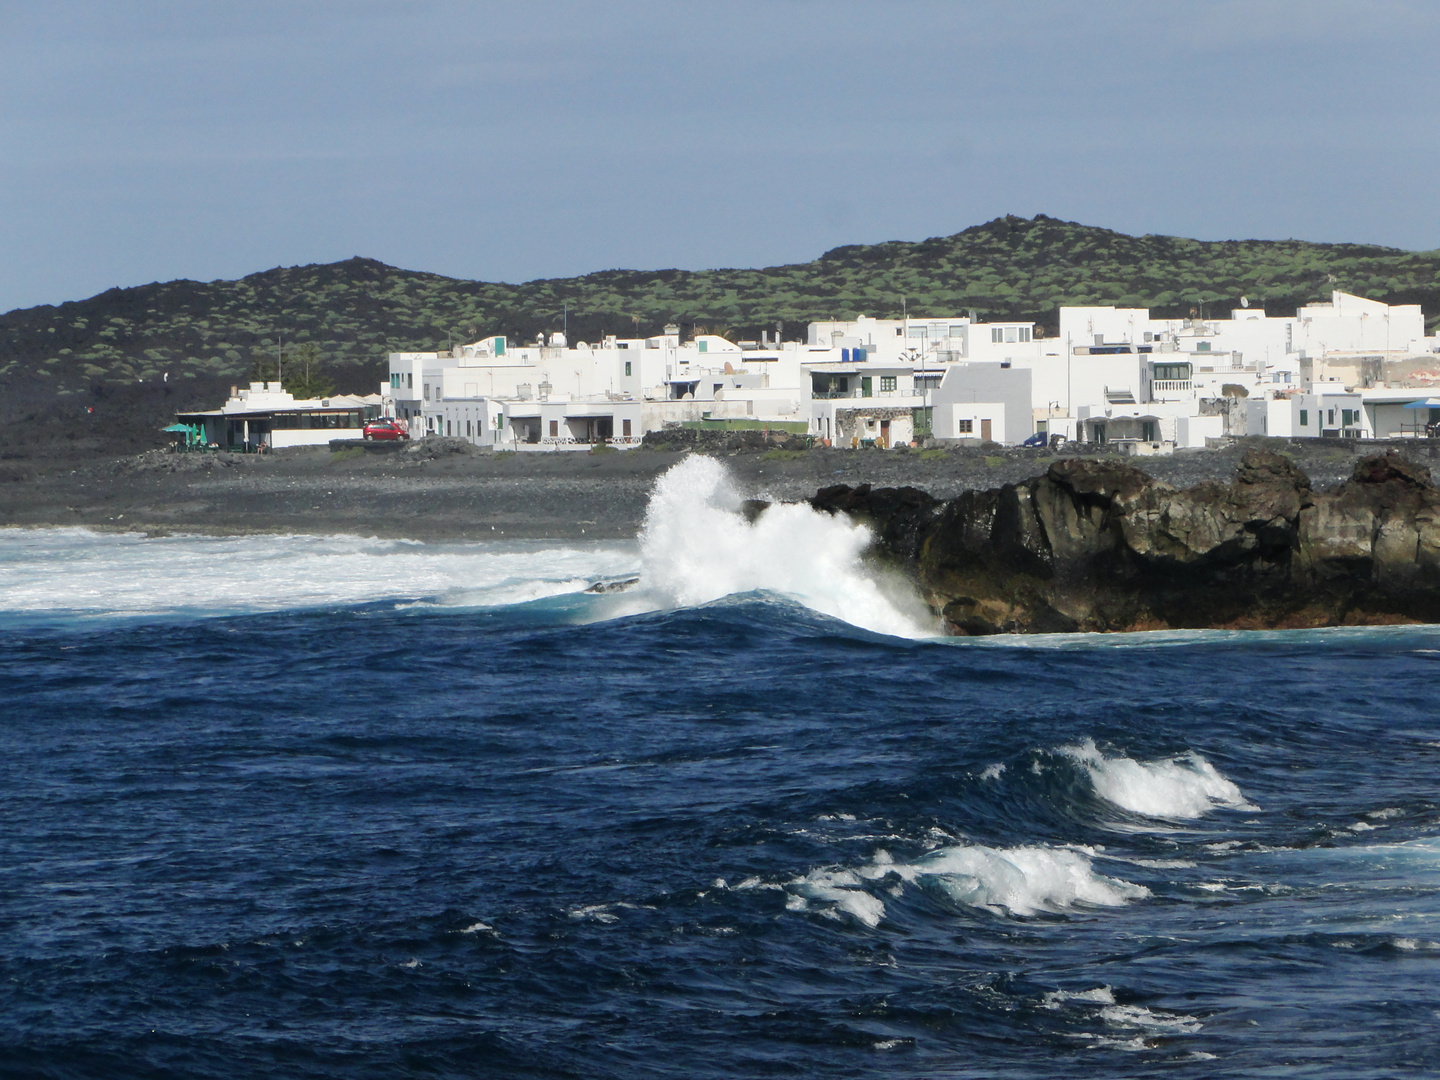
(147, 140)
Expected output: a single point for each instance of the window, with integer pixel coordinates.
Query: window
(410, 381)
(625, 428)
(957, 331)
(997, 334)
(626, 345)
(447, 428)
(887, 382)
(1332, 417)
(1304, 417)
(427, 391)
(964, 427)
(468, 431)
(627, 367)
(1172, 372)
(1203, 346)
(554, 428)
(1024, 333)
(1349, 417)
(917, 331)
(1010, 334)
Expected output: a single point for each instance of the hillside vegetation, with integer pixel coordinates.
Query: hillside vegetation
(104, 372)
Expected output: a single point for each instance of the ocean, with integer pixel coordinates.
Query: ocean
(344, 807)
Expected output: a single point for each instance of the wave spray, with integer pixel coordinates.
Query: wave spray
(697, 547)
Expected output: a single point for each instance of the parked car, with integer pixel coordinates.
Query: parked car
(1038, 439)
(387, 427)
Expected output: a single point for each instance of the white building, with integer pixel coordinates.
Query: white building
(1111, 375)
(265, 413)
(553, 396)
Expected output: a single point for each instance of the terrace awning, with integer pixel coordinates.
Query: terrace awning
(1427, 403)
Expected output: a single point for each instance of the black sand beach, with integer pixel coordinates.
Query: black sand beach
(446, 490)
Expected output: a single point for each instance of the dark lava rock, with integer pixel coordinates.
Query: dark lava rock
(1100, 545)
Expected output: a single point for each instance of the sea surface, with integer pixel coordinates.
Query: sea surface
(342, 807)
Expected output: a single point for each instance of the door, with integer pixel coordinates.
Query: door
(985, 430)
(884, 434)
(864, 385)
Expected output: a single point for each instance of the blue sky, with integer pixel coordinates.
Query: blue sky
(145, 141)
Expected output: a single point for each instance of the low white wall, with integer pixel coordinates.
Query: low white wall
(317, 437)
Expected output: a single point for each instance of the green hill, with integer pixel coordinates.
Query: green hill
(102, 373)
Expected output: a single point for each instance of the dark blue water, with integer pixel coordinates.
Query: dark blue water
(711, 843)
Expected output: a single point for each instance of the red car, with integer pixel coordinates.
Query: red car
(387, 427)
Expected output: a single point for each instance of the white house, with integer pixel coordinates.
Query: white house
(265, 413)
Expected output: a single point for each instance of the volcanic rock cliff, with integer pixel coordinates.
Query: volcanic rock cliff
(1094, 545)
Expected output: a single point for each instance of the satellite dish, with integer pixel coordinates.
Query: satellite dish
(1244, 301)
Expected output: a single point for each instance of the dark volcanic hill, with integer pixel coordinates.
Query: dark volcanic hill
(102, 374)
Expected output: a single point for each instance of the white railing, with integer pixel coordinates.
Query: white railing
(1169, 386)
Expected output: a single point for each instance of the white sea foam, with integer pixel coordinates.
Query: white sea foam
(1177, 788)
(841, 891)
(1410, 944)
(696, 547)
(1149, 1020)
(1019, 881)
(78, 573)
(1132, 1026)
(1100, 995)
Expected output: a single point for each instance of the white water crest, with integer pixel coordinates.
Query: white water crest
(1177, 788)
(75, 573)
(1022, 881)
(697, 547)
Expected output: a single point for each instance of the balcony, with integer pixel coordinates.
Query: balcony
(1170, 386)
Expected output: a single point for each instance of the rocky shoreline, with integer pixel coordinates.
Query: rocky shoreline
(1094, 545)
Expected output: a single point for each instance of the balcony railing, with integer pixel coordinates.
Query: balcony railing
(1170, 386)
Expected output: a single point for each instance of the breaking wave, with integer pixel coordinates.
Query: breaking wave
(1176, 788)
(697, 547)
(1019, 881)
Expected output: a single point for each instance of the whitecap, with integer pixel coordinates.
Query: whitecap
(1182, 787)
(841, 891)
(1019, 881)
(1100, 995)
(1150, 1020)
